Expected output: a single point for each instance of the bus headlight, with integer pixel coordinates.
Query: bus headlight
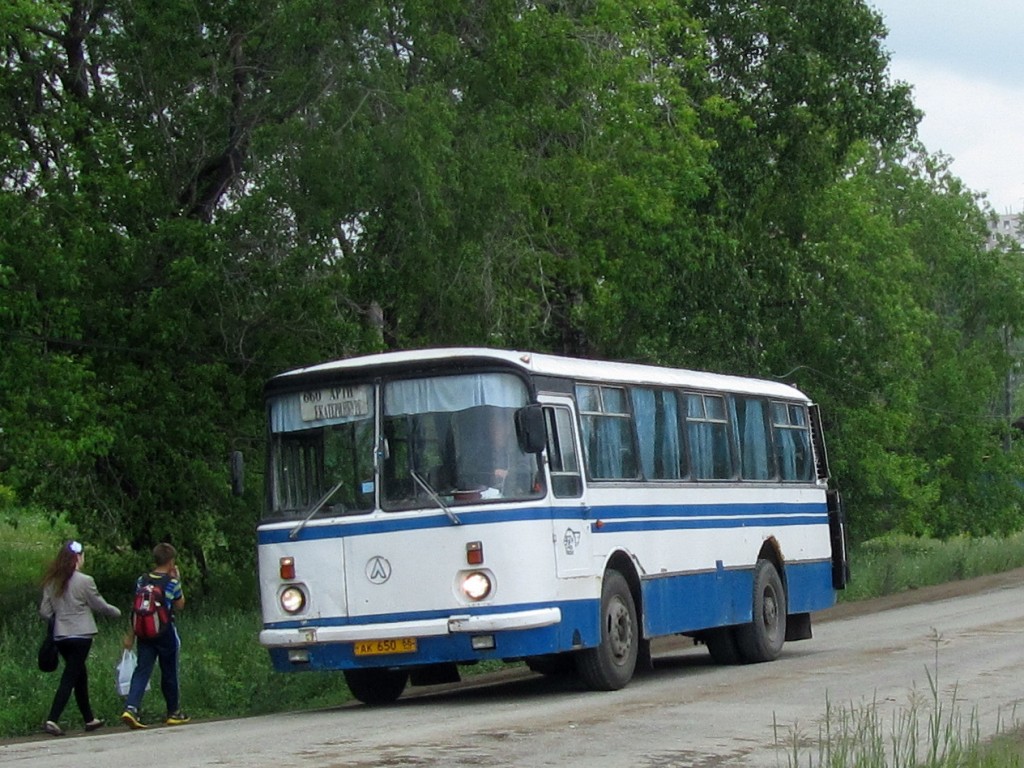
(293, 599)
(476, 585)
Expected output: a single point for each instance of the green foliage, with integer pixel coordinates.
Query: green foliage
(909, 361)
(30, 542)
(898, 562)
(194, 197)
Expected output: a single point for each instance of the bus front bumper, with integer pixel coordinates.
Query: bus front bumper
(455, 624)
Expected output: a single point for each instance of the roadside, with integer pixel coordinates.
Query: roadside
(928, 594)
(921, 595)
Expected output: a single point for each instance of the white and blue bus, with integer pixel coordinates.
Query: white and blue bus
(437, 508)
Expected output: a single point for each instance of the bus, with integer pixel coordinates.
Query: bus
(432, 509)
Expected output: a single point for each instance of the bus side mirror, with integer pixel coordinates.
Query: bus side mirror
(237, 473)
(530, 428)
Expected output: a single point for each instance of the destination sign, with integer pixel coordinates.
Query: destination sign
(335, 404)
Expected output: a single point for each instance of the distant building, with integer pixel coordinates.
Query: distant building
(1002, 226)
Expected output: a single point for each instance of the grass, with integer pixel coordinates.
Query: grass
(929, 732)
(895, 564)
(921, 735)
(225, 673)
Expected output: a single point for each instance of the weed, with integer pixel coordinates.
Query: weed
(928, 732)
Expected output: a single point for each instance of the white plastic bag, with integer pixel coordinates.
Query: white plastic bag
(124, 670)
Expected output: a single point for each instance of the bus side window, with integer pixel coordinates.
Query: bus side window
(607, 432)
(792, 441)
(563, 458)
(750, 433)
(656, 414)
(707, 431)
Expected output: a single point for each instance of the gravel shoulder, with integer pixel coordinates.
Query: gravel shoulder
(930, 594)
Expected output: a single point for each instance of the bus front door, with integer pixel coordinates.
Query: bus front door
(571, 532)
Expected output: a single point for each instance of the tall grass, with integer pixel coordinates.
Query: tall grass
(224, 671)
(917, 736)
(894, 564)
(929, 732)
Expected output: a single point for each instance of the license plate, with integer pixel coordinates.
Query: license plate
(384, 647)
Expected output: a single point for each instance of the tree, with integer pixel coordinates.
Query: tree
(196, 196)
(902, 337)
(794, 85)
(146, 291)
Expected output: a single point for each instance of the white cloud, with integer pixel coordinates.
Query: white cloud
(978, 124)
(963, 60)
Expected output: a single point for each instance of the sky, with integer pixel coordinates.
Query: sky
(963, 59)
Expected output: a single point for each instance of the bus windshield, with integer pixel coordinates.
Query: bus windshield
(443, 440)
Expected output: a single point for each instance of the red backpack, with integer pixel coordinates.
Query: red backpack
(151, 612)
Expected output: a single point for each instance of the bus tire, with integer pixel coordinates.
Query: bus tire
(762, 639)
(376, 686)
(610, 665)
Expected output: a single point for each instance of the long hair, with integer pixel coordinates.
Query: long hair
(59, 572)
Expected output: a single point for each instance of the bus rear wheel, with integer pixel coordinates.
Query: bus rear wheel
(762, 639)
(610, 665)
(376, 686)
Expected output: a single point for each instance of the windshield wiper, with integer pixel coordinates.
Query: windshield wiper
(433, 496)
(314, 509)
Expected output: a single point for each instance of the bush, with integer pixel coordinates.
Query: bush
(896, 563)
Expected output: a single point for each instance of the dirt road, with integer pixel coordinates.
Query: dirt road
(686, 712)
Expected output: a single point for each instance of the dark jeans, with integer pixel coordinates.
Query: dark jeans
(75, 678)
(165, 648)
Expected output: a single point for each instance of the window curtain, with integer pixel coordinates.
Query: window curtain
(453, 393)
(701, 438)
(656, 414)
(749, 431)
(609, 449)
(787, 453)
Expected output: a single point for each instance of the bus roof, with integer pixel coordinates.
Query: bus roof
(550, 365)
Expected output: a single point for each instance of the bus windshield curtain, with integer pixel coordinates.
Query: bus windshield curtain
(453, 393)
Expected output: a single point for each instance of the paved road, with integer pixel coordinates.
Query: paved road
(686, 712)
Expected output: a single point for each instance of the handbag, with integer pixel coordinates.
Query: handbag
(48, 656)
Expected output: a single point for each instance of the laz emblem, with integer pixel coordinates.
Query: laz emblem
(571, 540)
(378, 570)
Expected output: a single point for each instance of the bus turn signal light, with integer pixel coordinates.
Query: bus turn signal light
(287, 568)
(475, 553)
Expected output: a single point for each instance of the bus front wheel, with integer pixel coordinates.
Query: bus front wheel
(376, 686)
(610, 665)
(762, 639)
